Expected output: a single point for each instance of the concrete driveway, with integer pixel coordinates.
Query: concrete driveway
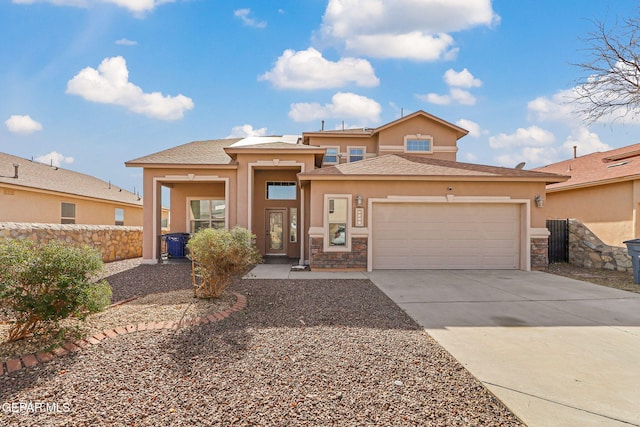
(556, 351)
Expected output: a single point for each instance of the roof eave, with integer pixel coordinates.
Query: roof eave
(439, 178)
(593, 183)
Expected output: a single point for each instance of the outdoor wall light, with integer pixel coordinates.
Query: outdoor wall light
(359, 200)
(539, 201)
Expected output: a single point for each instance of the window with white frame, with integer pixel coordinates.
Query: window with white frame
(357, 153)
(67, 213)
(337, 217)
(331, 156)
(206, 214)
(119, 216)
(418, 144)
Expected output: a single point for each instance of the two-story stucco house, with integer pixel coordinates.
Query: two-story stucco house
(391, 197)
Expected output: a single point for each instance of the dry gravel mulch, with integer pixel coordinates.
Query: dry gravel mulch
(311, 352)
(612, 278)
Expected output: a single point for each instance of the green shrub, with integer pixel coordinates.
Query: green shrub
(219, 257)
(42, 284)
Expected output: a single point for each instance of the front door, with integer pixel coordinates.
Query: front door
(276, 240)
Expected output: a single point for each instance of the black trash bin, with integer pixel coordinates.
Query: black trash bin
(633, 248)
(176, 244)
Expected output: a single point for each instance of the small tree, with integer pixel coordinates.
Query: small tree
(41, 284)
(220, 256)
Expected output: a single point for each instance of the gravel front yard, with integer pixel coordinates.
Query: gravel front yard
(313, 352)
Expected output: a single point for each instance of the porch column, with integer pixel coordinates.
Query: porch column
(152, 215)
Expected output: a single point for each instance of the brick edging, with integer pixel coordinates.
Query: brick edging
(34, 359)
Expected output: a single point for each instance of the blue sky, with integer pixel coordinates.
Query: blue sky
(90, 84)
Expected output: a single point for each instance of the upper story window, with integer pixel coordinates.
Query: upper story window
(356, 153)
(418, 144)
(68, 213)
(281, 190)
(331, 156)
(119, 216)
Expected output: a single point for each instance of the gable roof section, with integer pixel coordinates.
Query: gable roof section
(368, 132)
(621, 164)
(408, 166)
(40, 176)
(209, 152)
(460, 132)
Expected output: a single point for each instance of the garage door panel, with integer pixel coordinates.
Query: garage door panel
(446, 236)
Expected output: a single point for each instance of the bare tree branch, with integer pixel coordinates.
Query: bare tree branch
(610, 86)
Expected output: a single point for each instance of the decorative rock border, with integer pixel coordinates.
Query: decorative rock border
(30, 360)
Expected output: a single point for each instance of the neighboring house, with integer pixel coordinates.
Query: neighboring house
(384, 198)
(39, 193)
(603, 193)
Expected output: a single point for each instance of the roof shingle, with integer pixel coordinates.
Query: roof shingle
(405, 165)
(45, 177)
(592, 169)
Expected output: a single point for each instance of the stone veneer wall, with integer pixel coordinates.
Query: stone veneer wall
(113, 242)
(587, 250)
(539, 253)
(354, 260)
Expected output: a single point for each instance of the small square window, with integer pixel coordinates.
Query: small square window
(331, 156)
(356, 153)
(67, 213)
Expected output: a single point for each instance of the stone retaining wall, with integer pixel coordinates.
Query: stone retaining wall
(113, 242)
(587, 250)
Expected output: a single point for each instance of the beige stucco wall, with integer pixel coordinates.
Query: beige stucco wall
(391, 140)
(23, 205)
(608, 210)
(180, 180)
(443, 136)
(381, 189)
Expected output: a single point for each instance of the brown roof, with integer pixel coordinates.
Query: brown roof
(403, 166)
(210, 152)
(275, 146)
(597, 168)
(51, 178)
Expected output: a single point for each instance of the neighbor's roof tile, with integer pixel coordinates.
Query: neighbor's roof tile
(596, 168)
(41, 176)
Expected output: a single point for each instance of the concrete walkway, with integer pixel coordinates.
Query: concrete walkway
(556, 351)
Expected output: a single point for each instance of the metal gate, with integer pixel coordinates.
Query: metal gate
(558, 240)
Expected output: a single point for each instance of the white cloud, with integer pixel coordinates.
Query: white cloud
(532, 136)
(586, 142)
(135, 6)
(126, 42)
(244, 131)
(556, 108)
(415, 29)
(415, 45)
(308, 69)
(474, 128)
(461, 79)
(22, 124)
(243, 14)
(54, 158)
(109, 84)
(455, 80)
(342, 106)
(534, 156)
